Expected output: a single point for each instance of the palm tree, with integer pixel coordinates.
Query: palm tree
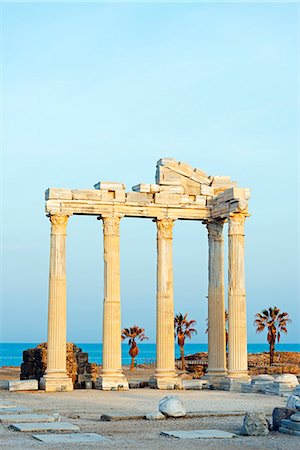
(226, 327)
(275, 322)
(183, 328)
(132, 334)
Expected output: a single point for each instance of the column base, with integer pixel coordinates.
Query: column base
(112, 382)
(234, 382)
(215, 377)
(167, 380)
(60, 383)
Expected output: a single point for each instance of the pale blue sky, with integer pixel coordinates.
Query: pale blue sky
(101, 91)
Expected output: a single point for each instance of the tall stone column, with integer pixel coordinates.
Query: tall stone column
(56, 378)
(165, 376)
(216, 306)
(237, 332)
(112, 375)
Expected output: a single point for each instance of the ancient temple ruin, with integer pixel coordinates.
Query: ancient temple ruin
(180, 192)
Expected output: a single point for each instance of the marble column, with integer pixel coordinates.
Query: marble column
(112, 376)
(237, 332)
(216, 306)
(165, 376)
(56, 378)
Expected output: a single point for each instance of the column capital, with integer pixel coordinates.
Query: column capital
(236, 224)
(215, 229)
(164, 228)
(111, 225)
(58, 223)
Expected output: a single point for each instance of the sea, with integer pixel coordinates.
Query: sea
(11, 354)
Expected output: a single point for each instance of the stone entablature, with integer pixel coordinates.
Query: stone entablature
(179, 192)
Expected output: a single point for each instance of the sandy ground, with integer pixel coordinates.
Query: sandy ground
(84, 408)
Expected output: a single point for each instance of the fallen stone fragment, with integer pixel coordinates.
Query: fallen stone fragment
(155, 416)
(120, 416)
(255, 424)
(44, 426)
(278, 415)
(22, 418)
(15, 410)
(69, 438)
(198, 434)
(172, 406)
(23, 385)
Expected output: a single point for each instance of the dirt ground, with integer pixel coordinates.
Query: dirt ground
(84, 408)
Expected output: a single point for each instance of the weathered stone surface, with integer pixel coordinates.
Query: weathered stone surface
(66, 438)
(295, 417)
(23, 385)
(120, 416)
(142, 187)
(3, 384)
(172, 406)
(86, 194)
(255, 424)
(44, 426)
(155, 416)
(165, 198)
(21, 418)
(292, 401)
(198, 434)
(278, 415)
(289, 431)
(139, 197)
(288, 378)
(194, 384)
(61, 193)
(15, 410)
(292, 424)
(109, 186)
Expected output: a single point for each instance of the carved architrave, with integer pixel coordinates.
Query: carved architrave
(111, 225)
(165, 228)
(236, 224)
(215, 230)
(58, 224)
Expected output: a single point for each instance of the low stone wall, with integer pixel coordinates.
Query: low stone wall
(78, 367)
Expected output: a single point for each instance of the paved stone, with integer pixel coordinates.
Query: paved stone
(23, 385)
(19, 418)
(69, 438)
(120, 416)
(15, 410)
(198, 434)
(44, 426)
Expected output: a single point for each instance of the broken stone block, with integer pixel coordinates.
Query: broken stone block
(44, 426)
(279, 414)
(23, 385)
(198, 434)
(255, 424)
(72, 438)
(109, 186)
(142, 187)
(172, 406)
(155, 416)
(58, 193)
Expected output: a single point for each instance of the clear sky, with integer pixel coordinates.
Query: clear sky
(101, 91)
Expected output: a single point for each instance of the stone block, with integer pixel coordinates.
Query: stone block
(58, 193)
(109, 186)
(255, 424)
(142, 187)
(139, 197)
(172, 406)
(293, 425)
(172, 189)
(198, 434)
(237, 193)
(155, 416)
(72, 438)
(3, 384)
(154, 188)
(194, 384)
(166, 161)
(44, 426)
(120, 196)
(186, 199)
(24, 418)
(15, 410)
(278, 415)
(166, 176)
(206, 190)
(86, 194)
(23, 385)
(292, 401)
(164, 198)
(200, 200)
(219, 180)
(289, 431)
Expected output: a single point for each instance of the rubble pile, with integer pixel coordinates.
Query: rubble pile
(78, 367)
